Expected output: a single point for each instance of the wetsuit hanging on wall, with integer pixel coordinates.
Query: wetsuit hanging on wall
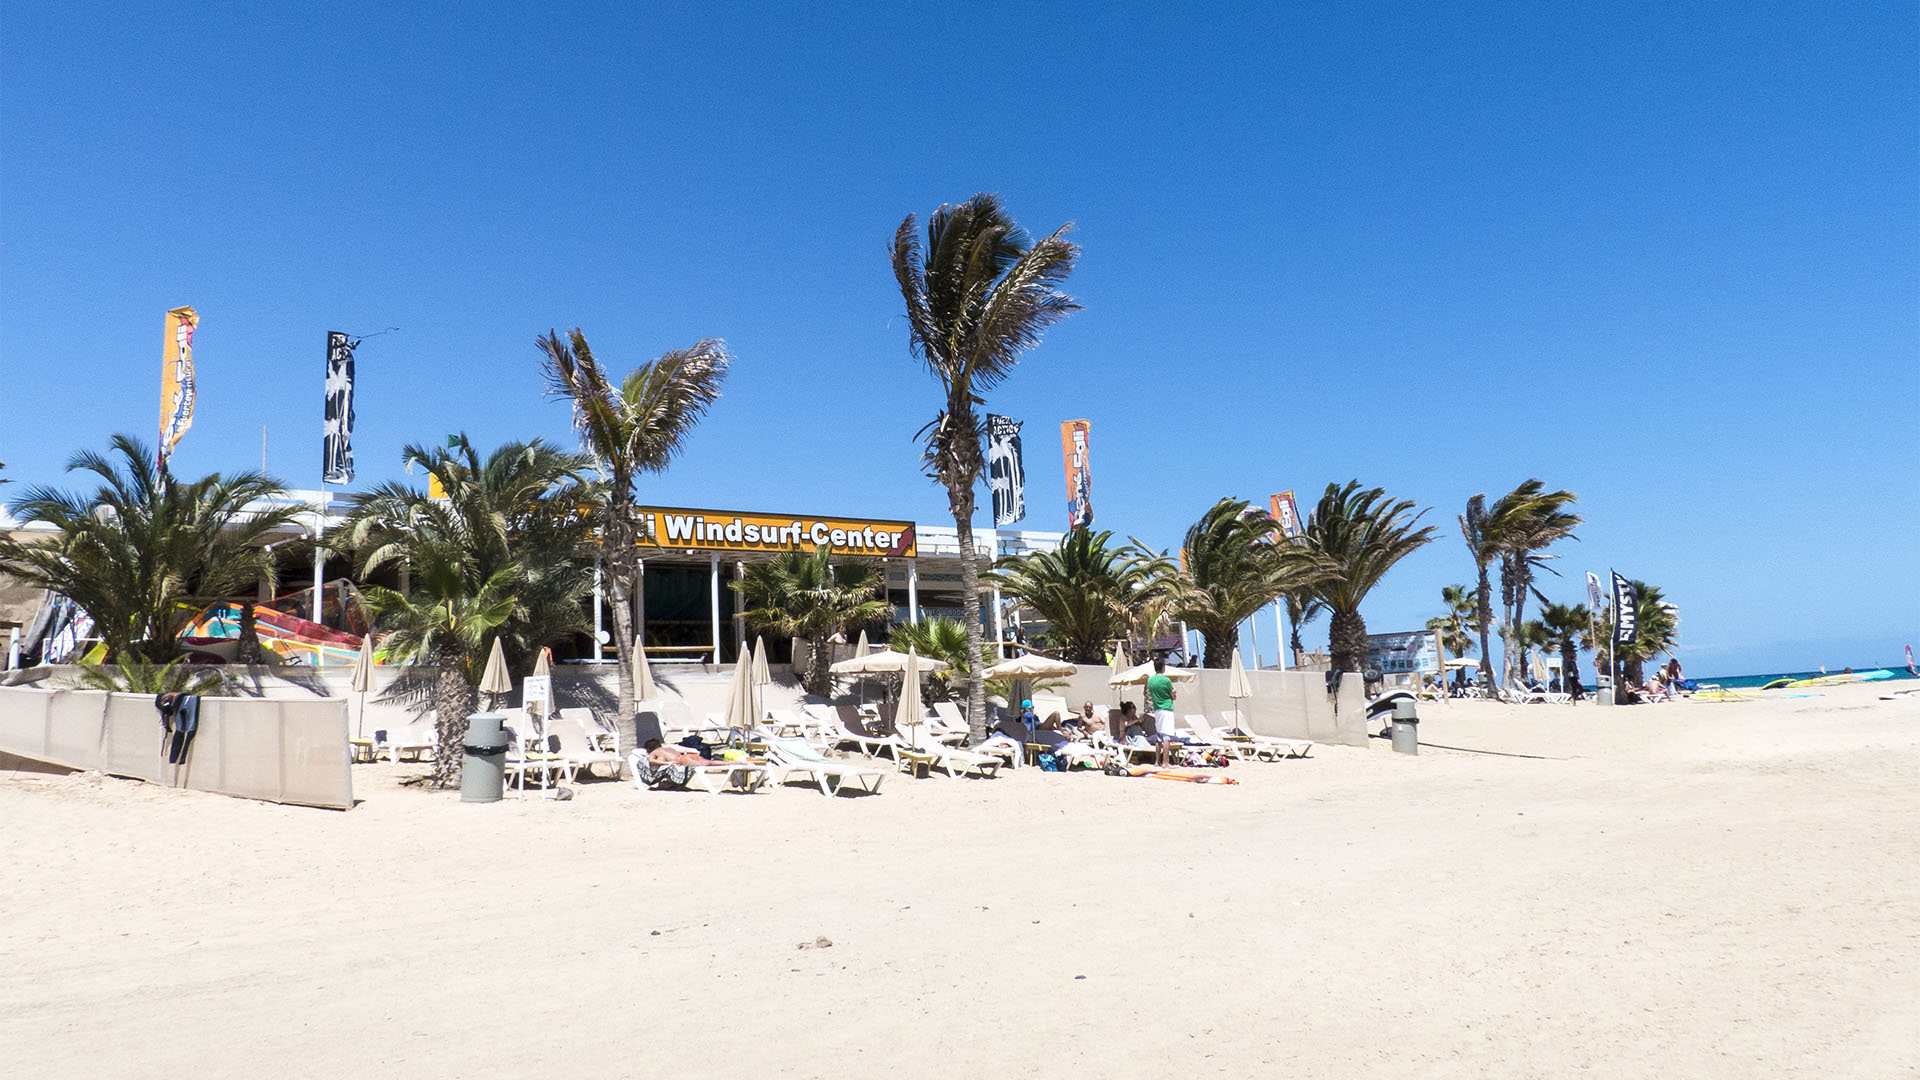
(179, 719)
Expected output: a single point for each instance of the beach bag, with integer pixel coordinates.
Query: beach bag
(1049, 762)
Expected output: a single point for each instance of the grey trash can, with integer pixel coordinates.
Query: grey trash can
(483, 772)
(1603, 689)
(1406, 728)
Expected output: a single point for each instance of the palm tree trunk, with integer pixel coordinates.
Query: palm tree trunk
(1486, 621)
(1220, 646)
(617, 596)
(816, 674)
(1347, 638)
(960, 499)
(452, 704)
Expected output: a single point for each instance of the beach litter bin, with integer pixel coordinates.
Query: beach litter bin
(483, 771)
(1603, 689)
(1405, 727)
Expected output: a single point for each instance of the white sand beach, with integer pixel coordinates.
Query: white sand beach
(1686, 890)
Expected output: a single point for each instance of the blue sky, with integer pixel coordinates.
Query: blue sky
(1666, 257)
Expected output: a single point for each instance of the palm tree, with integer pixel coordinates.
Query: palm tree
(1352, 538)
(1088, 592)
(635, 427)
(501, 553)
(518, 507)
(1232, 570)
(143, 552)
(1451, 629)
(1538, 520)
(806, 594)
(1512, 533)
(944, 640)
(978, 295)
(1302, 607)
(1566, 624)
(445, 623)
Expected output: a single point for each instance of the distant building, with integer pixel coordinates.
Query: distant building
(1413, 651)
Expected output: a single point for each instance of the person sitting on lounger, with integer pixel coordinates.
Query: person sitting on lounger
(1081, 725)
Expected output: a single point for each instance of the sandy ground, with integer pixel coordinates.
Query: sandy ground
(1686, 890)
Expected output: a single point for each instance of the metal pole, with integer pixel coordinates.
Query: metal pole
(999, 628)
(1280, 632)
(913, 591)
(319, 553)
(714, 575)
(1253, 638)
(599, 622)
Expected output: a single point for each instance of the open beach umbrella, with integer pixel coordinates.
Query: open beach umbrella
(1031, 666)
(362, 681)
(1461, 662)
(910, 713)
(884, 662)
(1237, 686)
(643, 687)
(495, 680)
(1138, 675)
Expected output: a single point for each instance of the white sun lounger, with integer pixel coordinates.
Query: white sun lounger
(1298, 748)
(577, 746)
(797, 757)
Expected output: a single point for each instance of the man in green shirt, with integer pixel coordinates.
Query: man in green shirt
(1160, 697)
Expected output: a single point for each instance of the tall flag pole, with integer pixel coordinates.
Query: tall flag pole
(1286, 515)
(1074, 435)
(1626, 624)
(177, 389)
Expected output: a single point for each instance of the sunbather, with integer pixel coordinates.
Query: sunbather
(667, 766)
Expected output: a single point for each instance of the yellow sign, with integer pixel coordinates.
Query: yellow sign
(725, 530)
(176, 380)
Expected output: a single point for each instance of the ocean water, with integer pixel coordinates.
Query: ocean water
(1739, 682)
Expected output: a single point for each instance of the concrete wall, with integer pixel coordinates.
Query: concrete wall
(278, 750)
(1285, 704)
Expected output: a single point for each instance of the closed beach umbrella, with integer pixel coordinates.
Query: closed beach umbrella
(542, 666)
(1237, 687)
(910, 712)
(643, 688)
(741, 710)
(495, 679)
(1539, 668)
(761, 677)
(362, 680)
(860, 647)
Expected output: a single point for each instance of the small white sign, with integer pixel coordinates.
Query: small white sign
(536, 693)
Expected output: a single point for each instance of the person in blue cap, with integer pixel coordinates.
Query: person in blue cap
(1027, 716)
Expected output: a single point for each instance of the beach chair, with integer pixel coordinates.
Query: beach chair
(1245, 747)
(576, 745)
(520, 761)
(955, 760)
(949, 724)
(850, 727)
(743, 777)
(416, 739)
(1295, 748)
(1536, 695)
(602, 734)
(786, 724)
(793, 757)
